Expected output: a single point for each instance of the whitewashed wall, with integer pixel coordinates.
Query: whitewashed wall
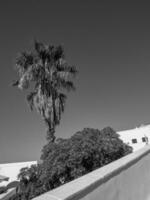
(11, 170)
(137, 133)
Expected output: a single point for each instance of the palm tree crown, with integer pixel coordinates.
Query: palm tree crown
(48, 76)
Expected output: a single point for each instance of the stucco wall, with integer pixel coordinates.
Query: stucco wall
(12, 170)
(125, 179)
(136, 133)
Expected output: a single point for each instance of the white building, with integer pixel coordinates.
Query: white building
(137, 138)
(11, 170)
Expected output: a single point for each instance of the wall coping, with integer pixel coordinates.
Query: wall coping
(83, 185)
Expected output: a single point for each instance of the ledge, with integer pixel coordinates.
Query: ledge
(80, 187)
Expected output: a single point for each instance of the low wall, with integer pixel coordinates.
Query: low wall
(125, 179)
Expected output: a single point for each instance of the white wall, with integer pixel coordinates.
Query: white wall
(137, 133)
(11, 170)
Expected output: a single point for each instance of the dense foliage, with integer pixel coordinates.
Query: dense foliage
(3, 189)
(68, 159)
(10, 185)
(47, 76)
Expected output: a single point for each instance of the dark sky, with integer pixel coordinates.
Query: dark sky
(110, 45)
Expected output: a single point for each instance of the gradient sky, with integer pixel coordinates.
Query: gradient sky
(110, 45)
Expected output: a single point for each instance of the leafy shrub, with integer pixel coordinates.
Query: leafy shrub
(85, 151)
(68, 159)
(13, 184)
(3, 189)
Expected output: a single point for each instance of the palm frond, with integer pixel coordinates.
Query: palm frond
(24, 61)
(39, 47)
(62, 98)
(30, 99)
(65, 67)
(15, 83)
(67, 85)
(59, 53)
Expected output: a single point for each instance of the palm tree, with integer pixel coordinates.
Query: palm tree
(47, 76)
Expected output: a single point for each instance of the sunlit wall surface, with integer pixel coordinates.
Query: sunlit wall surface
(137, 137)
(11, 170)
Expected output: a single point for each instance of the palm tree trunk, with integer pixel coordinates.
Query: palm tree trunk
(50, 135)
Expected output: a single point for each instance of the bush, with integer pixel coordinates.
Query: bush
(68, 159)
(85, 151)
(3, 189)
(13, 184)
